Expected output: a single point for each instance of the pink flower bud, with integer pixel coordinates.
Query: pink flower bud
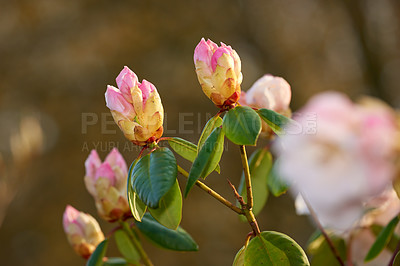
(136, 108)
(106, 182)
(269, 92)
(219, 72)
(82, 230)
(345, 154)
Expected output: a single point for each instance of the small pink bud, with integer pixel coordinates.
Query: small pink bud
(219, 72)
(82, 230)
(136, 108)
(107, 184)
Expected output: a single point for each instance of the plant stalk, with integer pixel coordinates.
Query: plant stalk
(212, 192)
(321, 228)
(246, 170)
(136, 243)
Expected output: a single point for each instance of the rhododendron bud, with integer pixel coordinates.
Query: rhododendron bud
(82, 230)
(106, 182)
(136, 108)
(219, 72)
(269, 92)
(350, 158)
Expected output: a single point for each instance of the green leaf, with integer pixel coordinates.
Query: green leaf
(274, 120)
(382, 239)
(394, 240)
(126, 247)
(116, 262)
(207, 159)
(96, 259)
(138, 208)
(275, 183)
(321, 252)
(184, 148)
(242, 125)
(154, 175)
(239, 258)
(169, 213)
(213, 123)
(177, 239)
(273, 248)
(260, 165)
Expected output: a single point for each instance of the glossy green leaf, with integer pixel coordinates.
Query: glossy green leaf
(126, 247)
(274, 120)
(207, 159)
(382, 240)
(117, 262)
(169, 213)
(242, 125)
(275, 183)
(321, 252)
(138, 208)
(154, 175)
(96, 259)
(273, 248)
(260, 165)
(239, 258)
(177, 239)
(394, 240)
(184, 148)
(213, 123)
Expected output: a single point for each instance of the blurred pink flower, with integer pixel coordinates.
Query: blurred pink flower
(106, 182)
(218, 71)
(136, 108)
(346, 161)
(82, 230)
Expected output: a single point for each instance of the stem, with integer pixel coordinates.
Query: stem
(391, 262)
(136, 243)
(212, 193)
(327, 238)
(247, 212)
(247, 176)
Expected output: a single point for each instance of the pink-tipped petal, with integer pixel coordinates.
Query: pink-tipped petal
(92, 163)
(126, 80)
(70, 215)
(218, 53)
(204, 51)
(115, 158)
(146, 87)
(105, 170)
(115, 101)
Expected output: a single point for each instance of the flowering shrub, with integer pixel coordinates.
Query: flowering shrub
(342, 172)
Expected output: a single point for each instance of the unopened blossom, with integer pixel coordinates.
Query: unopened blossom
(349, 158)
(136, 108)
(106, 182)
(218, 70)
(271, 93)
(82, 230)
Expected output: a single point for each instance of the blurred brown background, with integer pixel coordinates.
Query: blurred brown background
(57, 56)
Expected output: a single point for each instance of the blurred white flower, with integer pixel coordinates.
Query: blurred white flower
(349, 159)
